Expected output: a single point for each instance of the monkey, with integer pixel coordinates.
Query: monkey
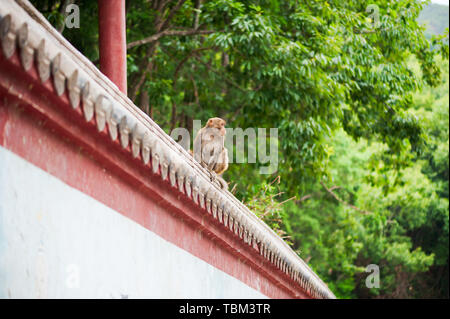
(210, 151)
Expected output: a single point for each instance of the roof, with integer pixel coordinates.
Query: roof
(25, 31)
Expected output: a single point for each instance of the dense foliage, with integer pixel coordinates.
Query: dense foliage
(403, 230)
(364, 154)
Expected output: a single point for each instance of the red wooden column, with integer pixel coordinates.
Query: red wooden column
(113, 43)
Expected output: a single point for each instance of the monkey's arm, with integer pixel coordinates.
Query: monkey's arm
(222, 164)
(214, 159)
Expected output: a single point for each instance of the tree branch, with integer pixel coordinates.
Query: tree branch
(62, 11)
(185, 59)
(197, 4)
(147, 70)
(308, 196)
(159, 25)
(219, 74)
(172, 12)
(330, 191)
(164, 33)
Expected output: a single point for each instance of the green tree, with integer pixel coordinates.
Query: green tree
(367, 165)
(342, 227)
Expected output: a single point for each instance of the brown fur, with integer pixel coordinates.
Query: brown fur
(209, 147)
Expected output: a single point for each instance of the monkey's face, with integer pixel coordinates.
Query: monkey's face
(217, 123)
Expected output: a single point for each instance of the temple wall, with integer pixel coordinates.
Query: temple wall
(57, 242)
(97, 201)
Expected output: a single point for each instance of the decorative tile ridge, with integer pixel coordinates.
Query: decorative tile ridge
(25, 30)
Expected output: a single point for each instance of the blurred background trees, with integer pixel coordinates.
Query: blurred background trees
(360, 97)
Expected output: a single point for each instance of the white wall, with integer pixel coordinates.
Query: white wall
(57, 242)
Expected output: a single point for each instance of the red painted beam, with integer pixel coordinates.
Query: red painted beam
(113, 43)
